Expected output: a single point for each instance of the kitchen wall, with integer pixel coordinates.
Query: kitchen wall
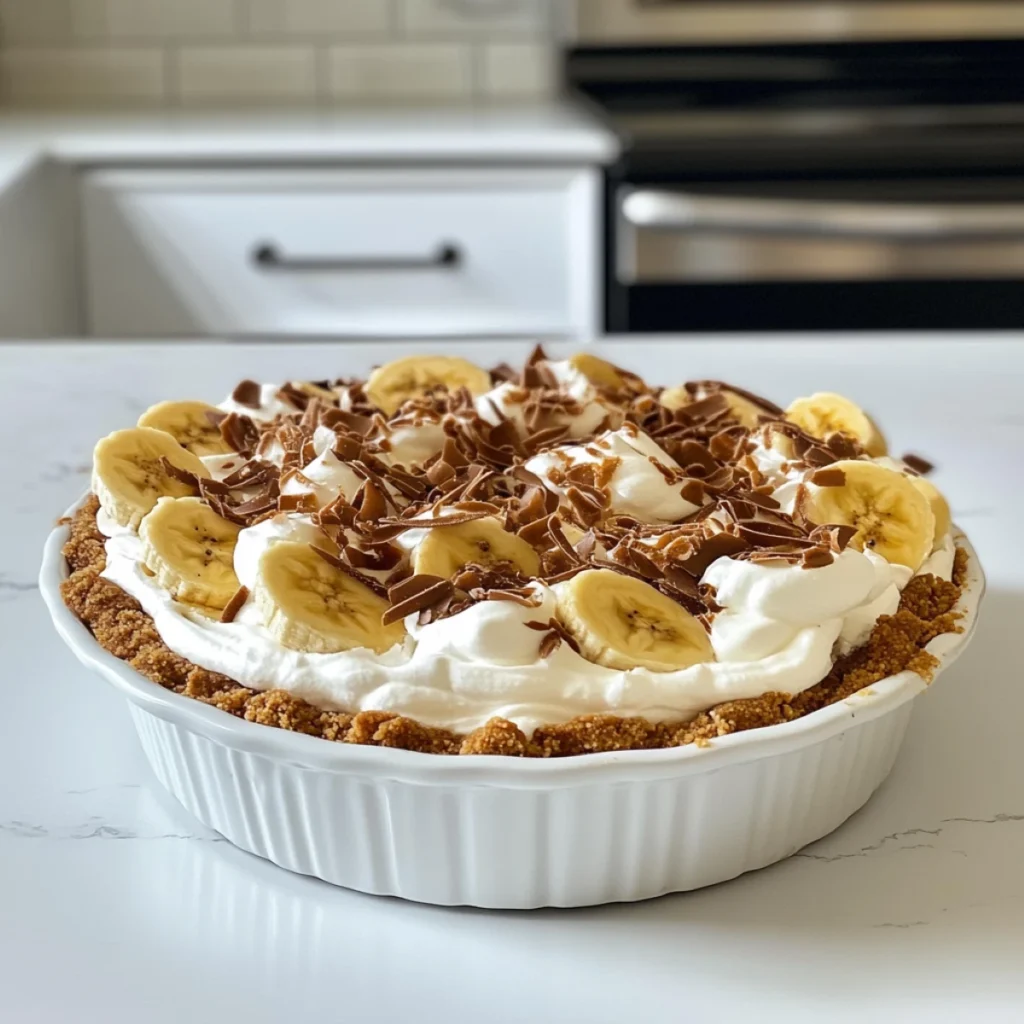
(216, 53)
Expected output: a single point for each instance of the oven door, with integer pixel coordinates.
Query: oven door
(818, 256)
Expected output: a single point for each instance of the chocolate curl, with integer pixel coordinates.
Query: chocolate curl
(239, 432)
(416, 594)
(367, 581)
(555, 635)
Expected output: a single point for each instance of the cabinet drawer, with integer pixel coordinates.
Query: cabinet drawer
(383, 252)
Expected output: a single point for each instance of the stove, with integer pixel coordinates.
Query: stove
(864, 172)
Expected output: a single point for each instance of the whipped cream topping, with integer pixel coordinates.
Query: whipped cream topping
(767, 604)
(780, 623)
(325, 477)
(637, 487)
(783, 475)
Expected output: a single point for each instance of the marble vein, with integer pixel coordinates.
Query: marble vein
(11, 590)
(94, 829)
(894, 837)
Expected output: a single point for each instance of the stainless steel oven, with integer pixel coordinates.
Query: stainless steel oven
(728, 22)
(864, 168)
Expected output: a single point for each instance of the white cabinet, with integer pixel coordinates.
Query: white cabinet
(378, 252)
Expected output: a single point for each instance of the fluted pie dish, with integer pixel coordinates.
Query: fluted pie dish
(514, 639)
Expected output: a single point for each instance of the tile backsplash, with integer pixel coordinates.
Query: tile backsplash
(216, 53)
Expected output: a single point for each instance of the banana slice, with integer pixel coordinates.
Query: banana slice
(675, 398)
(446, 549)
(891, 515)
(598, 371)
(310, 605)
(127, 475)
(743, 410)
(391, 384)
(624, 623)
(939, 505)
(827, 413)
(188, 424)
(190, 550)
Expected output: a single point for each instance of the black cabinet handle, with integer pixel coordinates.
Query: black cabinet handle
(267, 256)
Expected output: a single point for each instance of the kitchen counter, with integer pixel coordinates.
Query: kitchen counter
(119, 907)
(16, 160)
(544, 133)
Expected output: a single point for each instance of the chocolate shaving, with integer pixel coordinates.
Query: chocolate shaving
(589, 509)
(247, 393)
(252, 473)
(842, 446)
(556, 635)
(632, 556)
(416, 594)
(524, 598)
(710, 549)
(918, 464)
(835, 537)
(258, 505)
(297, 502)
(828, 478)
(177, 473)
(232, 608)
(367, 581)
(293, 396)
(370, 502)
(711, 409)
(816, 558)
(239, 432)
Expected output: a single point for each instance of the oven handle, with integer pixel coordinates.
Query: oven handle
(674, 211)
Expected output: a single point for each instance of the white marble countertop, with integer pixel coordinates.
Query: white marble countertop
(118, 907)
(556, 132)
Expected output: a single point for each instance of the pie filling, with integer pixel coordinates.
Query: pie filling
(557, 561)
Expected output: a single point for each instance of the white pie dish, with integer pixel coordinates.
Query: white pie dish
(516, 833)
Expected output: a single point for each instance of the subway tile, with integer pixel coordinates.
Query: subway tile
(319, 17)
(415, 71)
(34, 22)
(82, 77)
(153, 19)
(517, 70)
(457, 18)
(244, 74)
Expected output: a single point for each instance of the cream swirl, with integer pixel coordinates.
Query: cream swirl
(325, 478)
(637, 487)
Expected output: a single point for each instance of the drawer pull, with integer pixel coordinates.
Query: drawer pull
(267, 256)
